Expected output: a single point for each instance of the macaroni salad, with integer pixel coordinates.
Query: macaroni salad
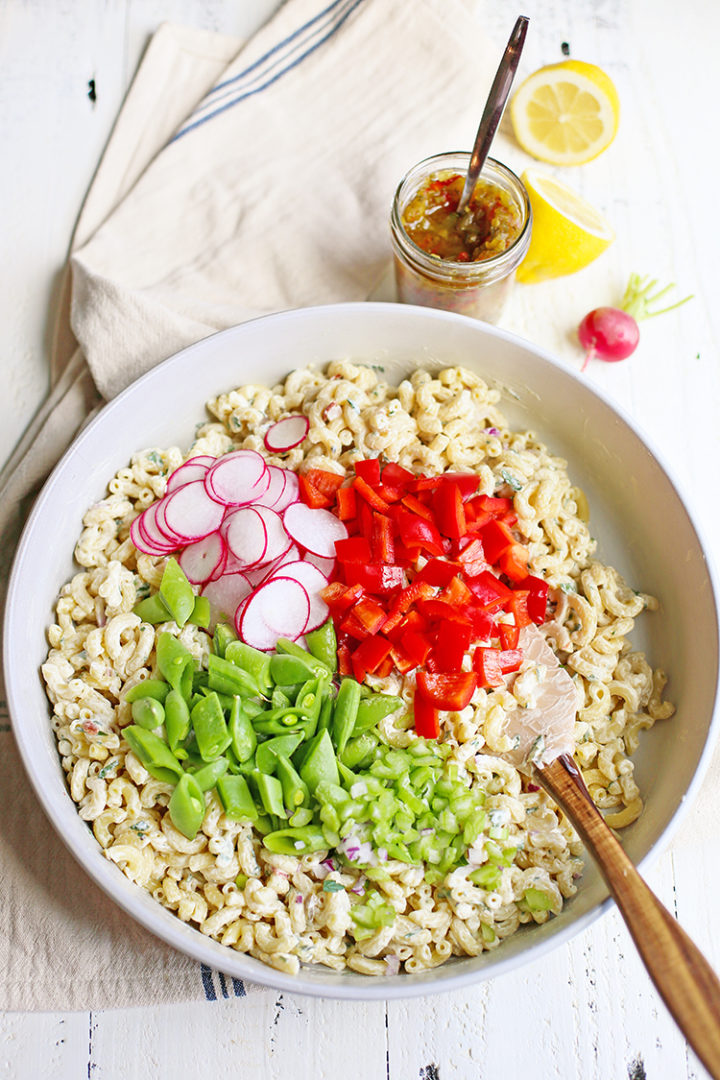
(287, 910)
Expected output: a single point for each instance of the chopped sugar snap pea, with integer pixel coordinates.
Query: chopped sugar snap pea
(176, 592)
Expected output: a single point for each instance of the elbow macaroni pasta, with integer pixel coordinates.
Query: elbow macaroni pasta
(276, 907)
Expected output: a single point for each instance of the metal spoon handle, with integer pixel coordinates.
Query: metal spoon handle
(494, 108)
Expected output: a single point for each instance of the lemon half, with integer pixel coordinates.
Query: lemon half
(567, 231)
(566, 113)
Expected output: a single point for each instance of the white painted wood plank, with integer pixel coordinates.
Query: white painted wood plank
(52, 138)
(47, 1045)
(268, 1037)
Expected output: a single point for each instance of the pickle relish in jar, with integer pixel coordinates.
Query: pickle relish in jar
(460, 262)
(489, 224)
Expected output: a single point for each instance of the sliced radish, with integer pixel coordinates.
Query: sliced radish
(194, 469)
(286, 434)
(225, 596)
(151, 529)
(238, 478)
(316, 530)
(291, 491)
(190, 513)
(275, 489)
(246, 536)
(204, 560)
(312, 580)
(325, 566)
(143, 543)
(265, 571)
(280, 608)
(278, 540)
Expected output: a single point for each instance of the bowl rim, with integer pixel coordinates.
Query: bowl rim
(203, 949)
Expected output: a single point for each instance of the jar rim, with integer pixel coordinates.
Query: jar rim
(442, 269)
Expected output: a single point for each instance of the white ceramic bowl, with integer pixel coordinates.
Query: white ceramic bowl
(634, 507)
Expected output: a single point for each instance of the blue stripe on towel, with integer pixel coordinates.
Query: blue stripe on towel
(207, 981)
(273, 65)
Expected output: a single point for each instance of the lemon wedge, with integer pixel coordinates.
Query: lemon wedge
(566, 113)
(567, 231)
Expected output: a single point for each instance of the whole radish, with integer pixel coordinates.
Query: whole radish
(612, 333)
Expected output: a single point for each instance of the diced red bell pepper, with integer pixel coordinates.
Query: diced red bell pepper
(472, 558)
(475, 519)
(496, 537)
(513, 561)
(412, 621)
(456, 593)
(510, 660)
(312, 496)
(388, 493)
(406, 556)
(509, 635)
(416, 646)
(424, 483)
(383, 546)
(517, 605)
(344, 661)
(486, 662)
(537, 600)
(397, 477)
(414, 505)
(368, 656)
(427, 723)
(402, 661)
(416, 532)
(447, 691)
(339, 598)
(449, 511)
(346, 503)
(411, 594)
(374, 578)
(364, 619)
(453, 641)
(434, 609)
(496, 505)
(369, 470)
(489, 591)
(467, 482)
(365, 518)
(438, 572)
(370, 496)
(353, 549)
(481, 621)
(386, 667)
(325, 481)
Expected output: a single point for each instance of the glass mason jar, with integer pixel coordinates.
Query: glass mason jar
(478, 289)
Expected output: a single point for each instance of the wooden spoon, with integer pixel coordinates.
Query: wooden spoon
(682, 976)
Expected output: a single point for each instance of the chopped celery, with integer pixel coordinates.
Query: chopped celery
(537, 900)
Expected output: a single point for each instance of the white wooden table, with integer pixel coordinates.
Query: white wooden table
(588, 1010)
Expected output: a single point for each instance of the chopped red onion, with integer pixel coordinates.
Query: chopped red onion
(392, 964)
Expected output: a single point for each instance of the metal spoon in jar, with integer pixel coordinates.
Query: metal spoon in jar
(494, 108)
(543, 735)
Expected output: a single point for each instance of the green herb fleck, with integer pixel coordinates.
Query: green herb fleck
(510, 480)
(332, 886)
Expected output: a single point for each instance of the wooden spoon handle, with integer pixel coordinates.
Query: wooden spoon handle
(682, 976)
